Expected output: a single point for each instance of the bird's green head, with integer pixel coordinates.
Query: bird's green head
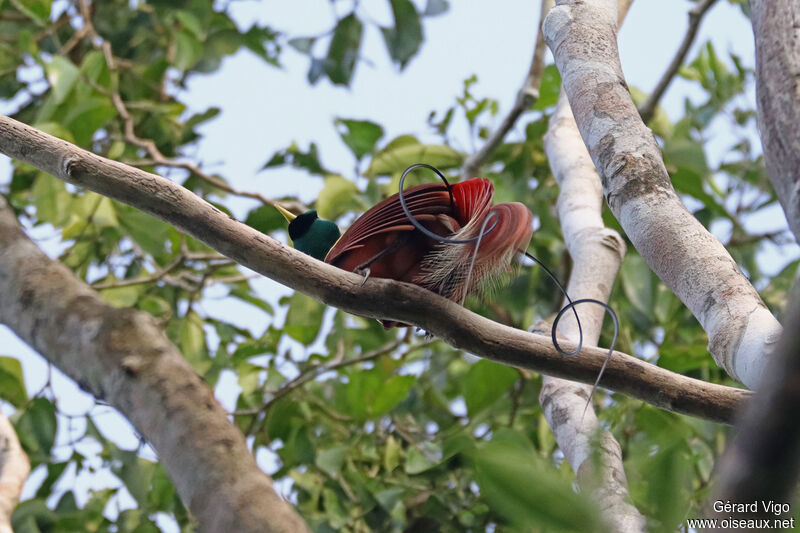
(310, 234)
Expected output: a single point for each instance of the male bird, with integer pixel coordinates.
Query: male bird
(384, 244)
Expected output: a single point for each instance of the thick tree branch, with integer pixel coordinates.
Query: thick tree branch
(122, 356)
(377, 298)
(526, 97)
(597, 253)
(776, 24)
(762, 463)
(691, 261)
(14, 470)
(696, 14)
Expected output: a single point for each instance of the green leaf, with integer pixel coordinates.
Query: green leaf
(192, 339)
(265, 219)
(249, 376)
(282, 417)
(529, 493)
(256, 40)
(370, 394)
(398, 158)
(331, 460)
(405, 37)
(54, 472)
(549, 89)
(36, 427)
(191, 23)
(30, 513)
(637, 282)
(105, 216)
(394, 391)
(136, 473)
(55, 129)
(316, 70)
(337, 197)
(485, 383)
(150, 233)
(686, 153)
(162, 491)
(38, 10)
(87, 116)
(359, 135)
(62, 75)
(122, 296)
(95, 68)
(51, 199)
(390, 497)
(335, 514)
(668, 498)
(343, 51)
(422, 457)
(12, 384)
(187, 50)
(303, 44)
(243, 292)
(435, 7)
(294, 156)
(304, 319)
(391, 453)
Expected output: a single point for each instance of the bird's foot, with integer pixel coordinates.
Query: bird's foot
(362, 272)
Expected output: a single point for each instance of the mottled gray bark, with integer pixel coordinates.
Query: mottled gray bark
(776, 25)
(690, 261)
(122, 356)
(596, 252)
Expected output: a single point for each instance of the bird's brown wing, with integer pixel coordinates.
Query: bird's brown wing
(425, 202)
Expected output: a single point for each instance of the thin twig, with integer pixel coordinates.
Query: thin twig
(155, 276)
(526, 97)
(129, 123)
(696, 14)
(337, 362)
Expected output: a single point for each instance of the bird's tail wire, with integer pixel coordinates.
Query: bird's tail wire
(477, 240)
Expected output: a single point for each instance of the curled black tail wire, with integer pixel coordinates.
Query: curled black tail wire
(477, 240)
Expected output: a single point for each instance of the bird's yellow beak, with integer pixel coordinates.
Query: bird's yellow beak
(288, 215)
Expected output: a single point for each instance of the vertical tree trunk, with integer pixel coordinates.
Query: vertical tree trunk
(776, 25)
(596, 252)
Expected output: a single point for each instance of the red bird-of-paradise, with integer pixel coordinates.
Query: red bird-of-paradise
(446, 238)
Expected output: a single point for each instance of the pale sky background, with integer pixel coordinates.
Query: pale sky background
(264, 109)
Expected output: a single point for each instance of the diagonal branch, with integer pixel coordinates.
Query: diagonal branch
(696, 14)
(689, 259)
(526, 97)
(14, 470)
(377, 298)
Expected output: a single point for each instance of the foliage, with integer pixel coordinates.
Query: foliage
(378, 432)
